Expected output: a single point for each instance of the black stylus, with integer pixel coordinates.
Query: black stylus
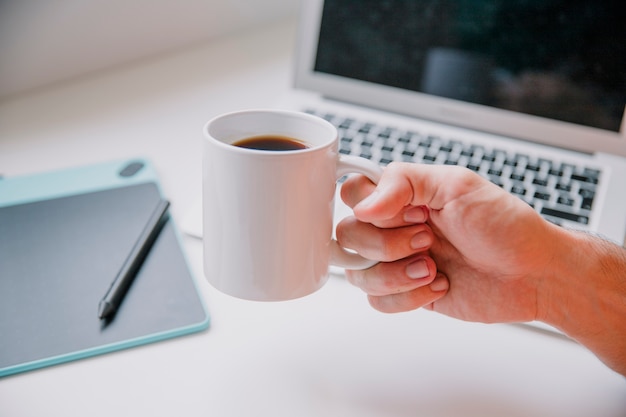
(114, 296)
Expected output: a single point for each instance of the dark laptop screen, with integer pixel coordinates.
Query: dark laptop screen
(558, 59)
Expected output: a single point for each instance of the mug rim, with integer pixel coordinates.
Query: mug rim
(292, 113)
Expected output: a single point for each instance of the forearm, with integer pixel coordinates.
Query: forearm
(584, 295)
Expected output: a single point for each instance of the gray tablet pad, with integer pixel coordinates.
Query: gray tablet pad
(63, 238)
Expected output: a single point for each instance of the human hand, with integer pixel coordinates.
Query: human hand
(491, 247)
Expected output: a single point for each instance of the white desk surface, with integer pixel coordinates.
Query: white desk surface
(328, 354)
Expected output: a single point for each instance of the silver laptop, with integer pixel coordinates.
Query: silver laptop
(530, 95)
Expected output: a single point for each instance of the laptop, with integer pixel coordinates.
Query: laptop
(530, 95)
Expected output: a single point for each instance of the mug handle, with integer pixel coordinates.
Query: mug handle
(347, 164)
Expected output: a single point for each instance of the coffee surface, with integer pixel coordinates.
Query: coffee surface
(271, 143)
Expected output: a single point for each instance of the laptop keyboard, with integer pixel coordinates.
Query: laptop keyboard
(560, 191)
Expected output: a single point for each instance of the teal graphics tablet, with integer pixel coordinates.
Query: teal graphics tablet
(64, 236)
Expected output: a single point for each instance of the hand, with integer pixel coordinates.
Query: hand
(482, 255)
(480, 252)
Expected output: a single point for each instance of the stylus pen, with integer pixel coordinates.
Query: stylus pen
(114, 296)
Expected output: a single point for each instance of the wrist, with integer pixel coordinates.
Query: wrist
(562, 283)
(583, 294)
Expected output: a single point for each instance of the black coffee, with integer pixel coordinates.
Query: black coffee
(271, 143)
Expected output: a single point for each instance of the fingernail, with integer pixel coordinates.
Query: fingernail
(415, 215)
(420, 240)
(440, 283)
(417, 269)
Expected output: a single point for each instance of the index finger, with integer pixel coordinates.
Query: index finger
(358, 187)
(405, 185)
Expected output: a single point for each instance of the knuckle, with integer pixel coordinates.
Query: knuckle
(386, 278)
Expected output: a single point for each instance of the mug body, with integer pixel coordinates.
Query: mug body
(267, 215)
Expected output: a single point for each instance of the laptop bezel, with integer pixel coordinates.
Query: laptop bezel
(463, 114)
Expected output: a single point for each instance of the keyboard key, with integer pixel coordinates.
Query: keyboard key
(556, 172)
(345, 124)
(366, 128)
(542, 195)
(544, 162)
(565, 200)
(578, 218)
(477, 149)
(518, 189)
(385, 134)
(497, 181)
(563, 187)
(587, 196)
(585, 178)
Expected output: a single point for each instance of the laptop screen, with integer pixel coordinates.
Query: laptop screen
(558, 59)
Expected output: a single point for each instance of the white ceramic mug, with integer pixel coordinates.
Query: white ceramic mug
(268, 215)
